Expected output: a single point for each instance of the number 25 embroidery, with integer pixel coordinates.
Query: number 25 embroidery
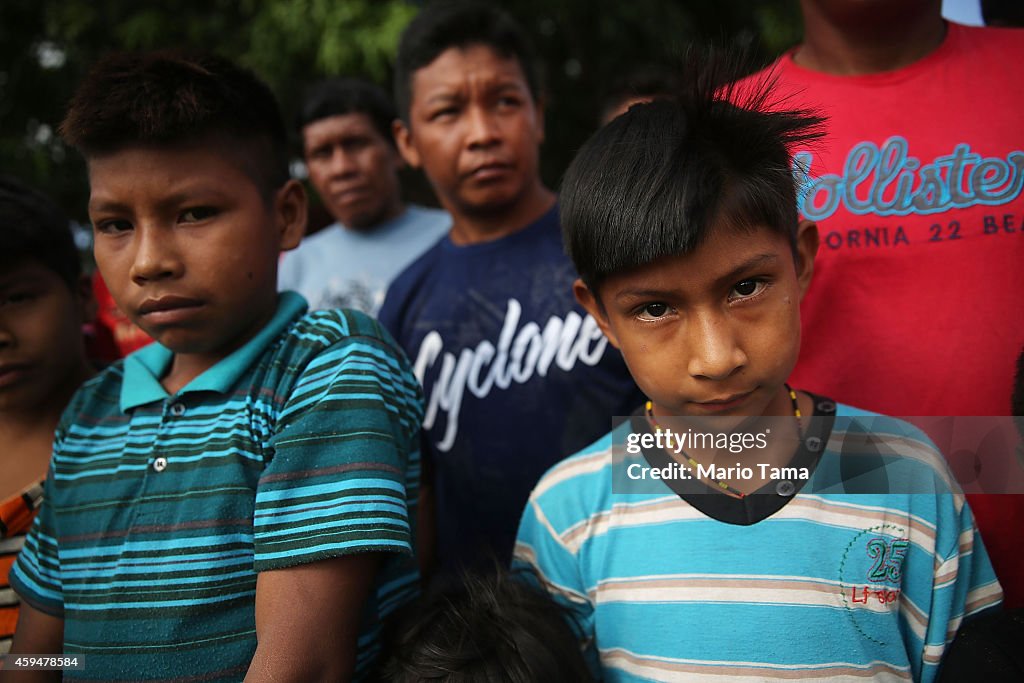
(888, 559)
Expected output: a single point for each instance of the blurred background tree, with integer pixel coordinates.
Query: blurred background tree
(46, 46)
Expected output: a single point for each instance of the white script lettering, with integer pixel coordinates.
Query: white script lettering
(521, 353)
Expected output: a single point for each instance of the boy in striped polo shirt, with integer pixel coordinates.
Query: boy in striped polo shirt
(703, 562)
(234, 500)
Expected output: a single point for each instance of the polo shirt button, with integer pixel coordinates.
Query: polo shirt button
(160, 464)
(813, 444)
(178, 409)
(785, 488)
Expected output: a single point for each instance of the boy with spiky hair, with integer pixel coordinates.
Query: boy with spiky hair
(680, 216)
(44, 301)
(233, 500)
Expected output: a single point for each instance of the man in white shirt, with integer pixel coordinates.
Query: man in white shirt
(353, 164)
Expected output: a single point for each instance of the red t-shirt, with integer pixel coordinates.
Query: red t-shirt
(916, 307)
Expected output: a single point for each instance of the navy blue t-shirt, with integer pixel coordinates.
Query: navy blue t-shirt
(516, 377)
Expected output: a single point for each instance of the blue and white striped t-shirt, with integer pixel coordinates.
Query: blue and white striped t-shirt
(836, 586)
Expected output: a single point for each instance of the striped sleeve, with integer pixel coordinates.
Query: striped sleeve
(541, 558)
(35, 576)
(336, 481)
(964, 585)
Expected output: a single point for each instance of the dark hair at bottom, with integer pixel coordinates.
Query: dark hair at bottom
(488, 628)
(654, 181)
(34, 228)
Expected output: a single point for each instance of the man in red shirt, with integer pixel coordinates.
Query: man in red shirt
(917, 196)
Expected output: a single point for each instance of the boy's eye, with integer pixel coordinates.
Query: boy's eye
(445, 113)
(653, 311)
(508, 101)
(746, 289)
(111, 227)
(197, 214)
(352, 145)
(324, 152)
(17, 297)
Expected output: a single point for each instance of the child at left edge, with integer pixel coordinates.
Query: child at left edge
(680, 216)
(44, 302)
(234, 500)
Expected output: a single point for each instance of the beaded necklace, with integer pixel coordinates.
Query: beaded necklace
(649, 408)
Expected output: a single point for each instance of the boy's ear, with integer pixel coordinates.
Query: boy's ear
(291, 209)
(806, 250)
(403, 139)
(589, 301)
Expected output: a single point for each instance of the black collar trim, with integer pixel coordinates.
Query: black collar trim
(767, 500)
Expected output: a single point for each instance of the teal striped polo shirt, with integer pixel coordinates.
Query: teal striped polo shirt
(160, 510)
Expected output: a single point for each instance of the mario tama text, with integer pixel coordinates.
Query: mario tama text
(759, 471)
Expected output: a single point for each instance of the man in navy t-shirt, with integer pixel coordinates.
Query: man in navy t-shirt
(516, 374)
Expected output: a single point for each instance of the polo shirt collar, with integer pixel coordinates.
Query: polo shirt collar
(144, 368)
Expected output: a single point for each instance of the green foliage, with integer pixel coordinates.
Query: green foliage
(46, 45)
(354, 36)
